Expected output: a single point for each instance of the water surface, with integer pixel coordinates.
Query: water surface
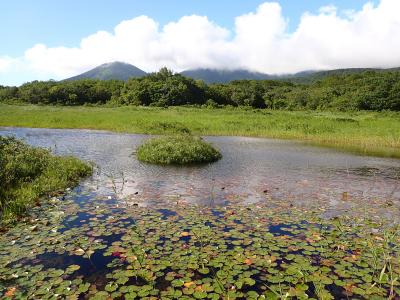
(252, 170)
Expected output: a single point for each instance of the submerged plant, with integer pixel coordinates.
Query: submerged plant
(118, 186)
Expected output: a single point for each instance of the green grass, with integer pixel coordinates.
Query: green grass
(177, 150)
(368, 133)
(27, 173)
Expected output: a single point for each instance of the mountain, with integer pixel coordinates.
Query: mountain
(115, 70)
(311, 76)
(224, 76)
(124, 71)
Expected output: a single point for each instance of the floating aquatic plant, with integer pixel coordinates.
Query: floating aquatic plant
(101, 251)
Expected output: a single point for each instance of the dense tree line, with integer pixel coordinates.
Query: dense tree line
(63, 93)
(361, 91)
(162, 89)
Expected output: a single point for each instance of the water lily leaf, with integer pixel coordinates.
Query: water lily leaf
(83, 288)
(72, 269)
(101, 296)
(130, 296)
(188, 291)
(200, 295)
(56, 273)
(111, 287)
(79, 252)
(189, 284)
(10, 292)
(204, 271)
(177, 282)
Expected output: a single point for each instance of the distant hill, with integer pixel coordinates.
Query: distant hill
(114, 70)
(311, 76)
(224, 76)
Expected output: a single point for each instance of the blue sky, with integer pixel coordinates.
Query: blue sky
(25, 23)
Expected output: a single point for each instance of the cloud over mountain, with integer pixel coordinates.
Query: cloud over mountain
(260, 41)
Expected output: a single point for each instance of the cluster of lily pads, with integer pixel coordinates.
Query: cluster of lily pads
(100, 249)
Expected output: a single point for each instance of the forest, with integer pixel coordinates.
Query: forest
(369, 90)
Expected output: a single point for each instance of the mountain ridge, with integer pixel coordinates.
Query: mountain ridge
(123, 71)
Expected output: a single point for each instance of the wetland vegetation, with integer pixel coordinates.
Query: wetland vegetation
(181, 149)
(368, 133)
(105, 250)
(27, 174)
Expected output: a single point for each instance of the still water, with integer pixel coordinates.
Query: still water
(252, 170)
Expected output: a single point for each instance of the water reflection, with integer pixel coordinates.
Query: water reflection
(251, 170)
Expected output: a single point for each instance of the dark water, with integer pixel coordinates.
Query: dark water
(252, 170)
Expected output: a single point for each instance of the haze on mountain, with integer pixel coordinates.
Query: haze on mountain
(124, 71)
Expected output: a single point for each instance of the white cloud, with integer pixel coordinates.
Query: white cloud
(6, 63)
(260, 41)
(193, 41)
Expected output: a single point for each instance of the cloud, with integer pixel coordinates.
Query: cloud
(6, 63)
(259, 41)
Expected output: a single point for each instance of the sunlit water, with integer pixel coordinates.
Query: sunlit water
(252, 170)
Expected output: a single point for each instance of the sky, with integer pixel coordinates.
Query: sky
(47, 39)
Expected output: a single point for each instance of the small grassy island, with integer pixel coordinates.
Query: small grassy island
(177, 150)
(27, 173)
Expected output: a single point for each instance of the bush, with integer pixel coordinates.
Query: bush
(177, 150)
(26, 173)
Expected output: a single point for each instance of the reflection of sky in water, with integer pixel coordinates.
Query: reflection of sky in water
(251, 170)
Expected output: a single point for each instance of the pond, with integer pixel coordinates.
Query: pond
(139, 230)
(251, 168)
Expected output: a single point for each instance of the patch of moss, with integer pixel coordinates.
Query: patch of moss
(177, 150)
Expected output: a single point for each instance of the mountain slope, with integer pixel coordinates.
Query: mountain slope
(114, 70)
(224, 76)
(312, 76)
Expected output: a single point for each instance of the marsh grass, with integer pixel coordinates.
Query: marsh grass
(27, 173)
(367, 133)
(177, 150)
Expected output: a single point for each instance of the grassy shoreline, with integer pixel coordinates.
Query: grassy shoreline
(367, 133)
(28, 173)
